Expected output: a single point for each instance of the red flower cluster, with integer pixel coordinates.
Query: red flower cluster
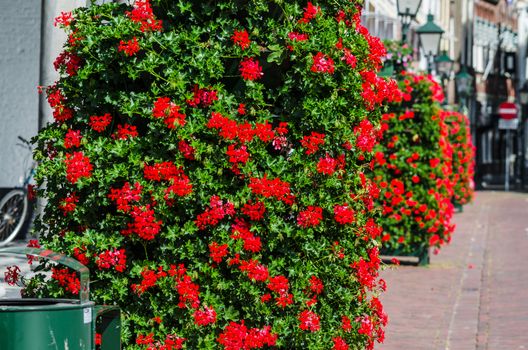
(312, 216)
(322, 64)
(72, 139)
(202, 97)
(366, 136)
(149, 280)
(377, 90)
(99, 124)
(66, 279)
(205, 317)
(171, 342)
(275, 188)
(142, 13)
(241, 38)
(217, 252)
(12, 275)
(310, 12)
(241, 230)
(309, 321)
(237, 336)
(217, 211)
(64, 19)
(312, 142)
(294, 36)
(254, 211)
(327, 165)
(112, 258)
(145, 224)
(77, 166)
(255, 270)
(343, 214)
(70, 60)
(165, 109)
(250, 69)
(130, 47)
(367, 271)
(339, 344)
(68, 204)
(123, 196)
(125, 131)
(186, 150)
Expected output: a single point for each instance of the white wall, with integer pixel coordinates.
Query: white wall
(19, 75)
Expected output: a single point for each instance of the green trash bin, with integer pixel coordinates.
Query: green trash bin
(58, 324)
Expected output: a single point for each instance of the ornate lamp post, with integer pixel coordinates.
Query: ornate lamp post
(430, 34)
(464, 82)
(407, 10)
(444, 67)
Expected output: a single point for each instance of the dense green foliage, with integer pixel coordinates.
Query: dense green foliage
(206, 164)
(413, 168)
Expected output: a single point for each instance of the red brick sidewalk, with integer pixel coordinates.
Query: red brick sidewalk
(474, 295)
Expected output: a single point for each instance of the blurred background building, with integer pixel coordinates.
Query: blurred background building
(486, 39)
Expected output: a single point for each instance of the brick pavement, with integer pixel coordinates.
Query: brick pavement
(474, 295)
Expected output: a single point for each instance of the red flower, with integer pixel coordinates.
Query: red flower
(217, 252)
(125, 195)
(64, 19)
(145, 224)
(202, 97)
(68, 204)
(316, 285)
(339, 344)
(80, 255)
(125, 131)
(216, 212)
(312, 216)
(278, 284)
(309, 321)
(254, 211)
(322, 64)
(255, 270)
(99, 124)
(294, 36)
(241, 109)
(66, 279)
(312, 142)
(366, 136)
(142, 13)
(237, 336)
(272, 188)
(250, 69)
(72, 139)
(77, 166)
(169, 112)
(62, 113)
(205, 317)
(186, 150)
(346, 324)
(12, 275)
(326, 165)
(68, 59)
(343, 214)
(241, 38)
(130, 47)
(188, 293)
(112, 258)
(239, 155)
(310, 11)
(349, 58)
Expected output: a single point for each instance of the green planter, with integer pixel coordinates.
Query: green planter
(59, 324)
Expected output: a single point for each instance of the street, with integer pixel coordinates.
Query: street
(473, 295)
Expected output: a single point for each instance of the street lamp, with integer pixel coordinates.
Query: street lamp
(444, 67)
(464, 82)
(407, 10)
(430, 34)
